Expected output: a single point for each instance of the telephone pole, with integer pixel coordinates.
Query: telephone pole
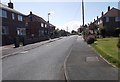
(83, 12)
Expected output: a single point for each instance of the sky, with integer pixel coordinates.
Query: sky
(64, 14)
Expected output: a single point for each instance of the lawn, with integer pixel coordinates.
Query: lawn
(107, 47)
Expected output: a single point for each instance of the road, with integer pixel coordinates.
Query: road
(42, 63)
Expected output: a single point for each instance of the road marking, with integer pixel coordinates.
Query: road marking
(23, 52)
(65, 67)
(14, 53)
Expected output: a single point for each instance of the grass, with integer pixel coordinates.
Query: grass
(107, 47)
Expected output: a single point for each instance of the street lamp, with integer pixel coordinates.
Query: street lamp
(48, 25)
(48, 17)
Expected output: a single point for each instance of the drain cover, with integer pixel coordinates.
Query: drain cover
(92, 59)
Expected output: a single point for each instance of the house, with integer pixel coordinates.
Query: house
(13, 24)
(37, 26)
(27, 28)
(110, 22)
(52, 31)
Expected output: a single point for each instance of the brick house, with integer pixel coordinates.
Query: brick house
(110, 21)
(13, 24)
(37, 26)
(51, 30)
(29, 28)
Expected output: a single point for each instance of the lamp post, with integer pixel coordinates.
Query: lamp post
(48, 25)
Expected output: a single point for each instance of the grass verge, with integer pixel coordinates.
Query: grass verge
(107, 48)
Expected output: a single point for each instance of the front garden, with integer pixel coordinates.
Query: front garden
(107, 47)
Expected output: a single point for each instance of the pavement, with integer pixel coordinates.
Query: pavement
(83, 64)
(9, 50)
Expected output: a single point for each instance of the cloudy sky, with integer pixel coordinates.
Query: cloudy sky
(64, 13)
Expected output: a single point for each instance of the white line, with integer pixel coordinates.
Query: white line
(10, 54)
(65, 67)
(23, 52)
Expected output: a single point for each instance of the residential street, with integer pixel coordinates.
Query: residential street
(68, 58)
(42, 63)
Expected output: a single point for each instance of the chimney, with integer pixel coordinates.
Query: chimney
(30, 12)
(94, 20)
(30, 16)
(102, 13)
(10, 5)
(108, 8)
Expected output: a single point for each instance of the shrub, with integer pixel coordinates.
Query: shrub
(90, 39)
(117, 32)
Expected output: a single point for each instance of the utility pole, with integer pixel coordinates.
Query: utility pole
(83, 18)
(48, 25)
(83, 12)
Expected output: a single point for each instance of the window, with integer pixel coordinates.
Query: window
(42, 25)
(0, 12)
(3, 13)
(117, 19)
(5, 30)
(20, 18)
(42, 32)
(45, 25)
(21, 31)
(46, 31)
(107, 19)
(13, 16)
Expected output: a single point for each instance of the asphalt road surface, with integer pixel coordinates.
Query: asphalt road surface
(42, 63)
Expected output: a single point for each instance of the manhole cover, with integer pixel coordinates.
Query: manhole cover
(92, 59)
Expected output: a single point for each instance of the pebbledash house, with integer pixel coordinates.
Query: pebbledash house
(13, 24)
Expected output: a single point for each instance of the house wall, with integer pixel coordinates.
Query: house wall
(110, 26)
(34, 27)
(12, 26)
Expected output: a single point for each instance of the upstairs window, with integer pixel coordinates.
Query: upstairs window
(13, 16)
(117, 19)
(3, 13)
(45, 25)
(0, 12)
(20, 18)
(107, 19)
(42, 24)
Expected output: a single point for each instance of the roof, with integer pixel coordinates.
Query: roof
(5, 7)
(37, 18)
(52, 25)
(113, 12)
